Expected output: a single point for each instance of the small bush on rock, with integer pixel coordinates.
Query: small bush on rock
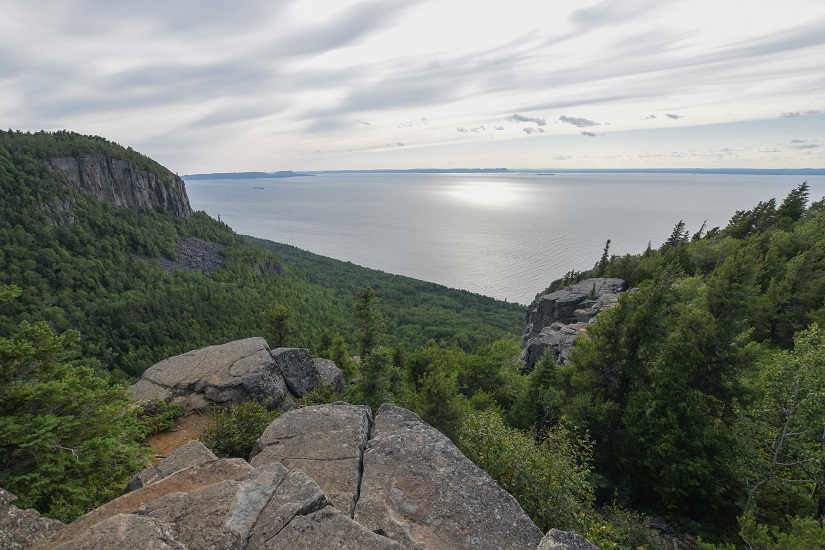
(232, 431)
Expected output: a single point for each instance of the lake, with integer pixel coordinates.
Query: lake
(503, 235)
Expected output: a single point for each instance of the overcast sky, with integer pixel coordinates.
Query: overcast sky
(210, 86)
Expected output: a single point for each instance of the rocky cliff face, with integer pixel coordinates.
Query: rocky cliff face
(125, 185)
(554, 320)
(330, 476)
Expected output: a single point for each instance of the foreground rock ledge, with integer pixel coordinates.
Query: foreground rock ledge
(386, 483)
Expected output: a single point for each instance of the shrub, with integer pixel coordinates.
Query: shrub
(232, 430)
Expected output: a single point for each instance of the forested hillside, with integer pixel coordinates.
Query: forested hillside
(699, 398)
(95, 269)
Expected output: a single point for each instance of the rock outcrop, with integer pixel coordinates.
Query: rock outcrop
(20, 529)
(234, 372)
(404, 483)
(554, 320)
(124, 184)
(417, 488)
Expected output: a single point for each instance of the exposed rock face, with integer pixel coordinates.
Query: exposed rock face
(235, 372)
(330, 374)
(123, 184)
(421, 491)
(554, 320)
(327, 442)
(21, 529)
(194, 254)
(564, 540)
(405, 484)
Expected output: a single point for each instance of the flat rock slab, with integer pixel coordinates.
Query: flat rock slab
(329, 529)
(325, 441)
(220, 515)
(234, 372)
(186, 456)
(421, 491)
(180, 482)
(126, 531)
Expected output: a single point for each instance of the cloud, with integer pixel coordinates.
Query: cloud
(798, 141)
(562, 157)
(400, 144)
(589, 134)
(462, 129)
(499, 127)
(769, 150)
(648, 117)
(797, 114)
(522, 118)
(529, 130)
(579, 122)
(673, 116)
(806, 146)
(364, 122)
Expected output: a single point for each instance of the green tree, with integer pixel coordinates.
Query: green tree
(368, 321)
(373, 388)
(278, 326)
(69, 441)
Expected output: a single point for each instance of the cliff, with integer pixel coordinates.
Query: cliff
(124, 184)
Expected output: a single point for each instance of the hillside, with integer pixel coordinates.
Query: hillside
(690, 403)
(92, 232)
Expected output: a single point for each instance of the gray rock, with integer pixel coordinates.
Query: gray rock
(234, 372)
(419, 490)
(564, 540)
(573, 307)
(191, 454)
(21, 529)
(123, 184)
(298, 370)
(325, 441)
(297, 495)
(180, 482)
(220, 515)
(125, 531)
(329, 529)
(330, 374)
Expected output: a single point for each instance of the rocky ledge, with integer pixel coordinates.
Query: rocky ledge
(554, 320)
(329, 476)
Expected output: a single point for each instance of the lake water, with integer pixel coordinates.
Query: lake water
(502, 235)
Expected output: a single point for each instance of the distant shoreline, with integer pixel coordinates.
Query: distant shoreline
(540, 172)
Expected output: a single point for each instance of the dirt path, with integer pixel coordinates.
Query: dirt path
(187, 428)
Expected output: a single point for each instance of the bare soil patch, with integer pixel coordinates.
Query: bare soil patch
(187, 428)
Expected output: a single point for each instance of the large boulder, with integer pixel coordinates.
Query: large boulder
(235, 372)
(565, 540)
(326, 441)
(554, 320)
(298, 370)
(421, 491)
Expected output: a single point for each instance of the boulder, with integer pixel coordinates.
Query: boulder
(298, 369)
(554, 320)
(21, 529)
(330, 374)
(418, 489)
(565, 540)
(326, 441)
(234, 372)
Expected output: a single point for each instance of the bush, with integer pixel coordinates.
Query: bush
(158, 415)
(232, 430)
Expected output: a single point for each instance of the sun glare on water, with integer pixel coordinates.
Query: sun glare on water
(485, 193)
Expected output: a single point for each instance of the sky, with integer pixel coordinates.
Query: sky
(266, 85)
